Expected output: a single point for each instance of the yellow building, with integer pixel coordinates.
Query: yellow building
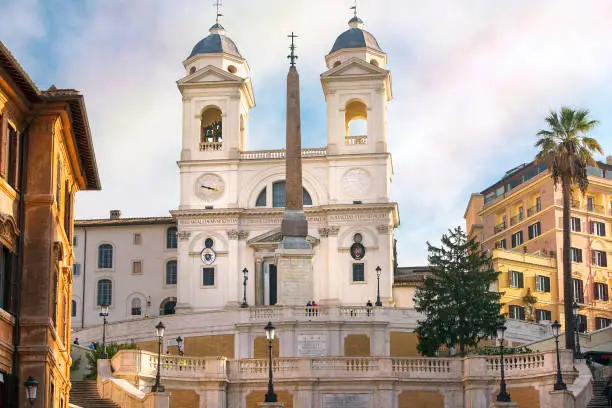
(519, 218)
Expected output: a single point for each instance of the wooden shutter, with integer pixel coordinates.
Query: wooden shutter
(580, 292)
(522, 313)
(605, 286)
(547, 283)
(592, 227)
(603, 229)
(521, 284)
(604, 259)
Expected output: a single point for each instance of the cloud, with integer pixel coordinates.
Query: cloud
(472, 82)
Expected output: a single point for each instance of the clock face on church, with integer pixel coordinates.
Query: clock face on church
(209, 187)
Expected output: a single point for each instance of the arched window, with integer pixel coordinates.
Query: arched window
(356, 122)
(171, 241)
(261, 198)
(136, 307)
(105, 256)
(278, 195)
(306, 197)
(105, 292)
(192, 70)
(73, 309)
(212, 126)
(171, 272)
(167, 306)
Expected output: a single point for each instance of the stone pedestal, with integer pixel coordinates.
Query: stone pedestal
(561, 399)
(271, 405)
(294, 276)
(496, 404)
(157, 400)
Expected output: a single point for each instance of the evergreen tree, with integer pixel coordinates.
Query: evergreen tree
(456, 300)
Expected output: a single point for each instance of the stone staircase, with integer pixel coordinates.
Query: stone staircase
(599, 399)
(85, 394)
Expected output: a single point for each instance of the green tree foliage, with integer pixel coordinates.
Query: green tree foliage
(456, 300)
(94, 355)
(568, 152)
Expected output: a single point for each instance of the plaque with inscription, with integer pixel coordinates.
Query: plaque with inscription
(312, 345)
(346, 400)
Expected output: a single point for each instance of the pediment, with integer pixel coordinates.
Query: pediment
(210, 74)
(355, 66)
(273, 237)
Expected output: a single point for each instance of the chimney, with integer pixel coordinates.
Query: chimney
(115, 214)
(609, 160)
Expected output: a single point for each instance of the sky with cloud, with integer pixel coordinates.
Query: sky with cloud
(472, 83)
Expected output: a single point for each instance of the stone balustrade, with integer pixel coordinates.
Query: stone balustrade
(132, 363)
(240, 321)
(129, 363)
(280, 153)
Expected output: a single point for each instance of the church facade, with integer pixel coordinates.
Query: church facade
(232, 199)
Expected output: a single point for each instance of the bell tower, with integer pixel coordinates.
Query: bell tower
(217, 96)
(357, 89)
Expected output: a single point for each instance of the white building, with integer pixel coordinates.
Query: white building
(339, 353)
(232, 199)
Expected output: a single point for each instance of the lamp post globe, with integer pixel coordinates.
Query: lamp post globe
(559, 384)
(245, 274)
(270, 334)
(159, 332)
(378, 272)
(503, 395)
(31, 389)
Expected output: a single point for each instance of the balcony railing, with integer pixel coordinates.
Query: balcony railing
(499, 227)
(533, 210)
(280, 153)
(516, 219)
(211, 146)
(599, 209)
(356, 140)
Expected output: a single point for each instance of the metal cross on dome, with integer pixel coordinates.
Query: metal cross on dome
(354, 8)
(218, 5)
(292, 56)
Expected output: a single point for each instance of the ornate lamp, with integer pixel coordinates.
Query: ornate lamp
(179, 345)
(559, 385)
(31, 388)
(503, 395)
(159, 332)
(270, 333)
(245, 273)
(576, 309)
(378, 272)
(104, 315)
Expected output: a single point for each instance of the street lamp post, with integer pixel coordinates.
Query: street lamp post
(576, 309)
(559, 385)
(270, 332)
(159, 331)
(378, 272)
(104, 315)
(503, 396)
(245, 273)
(31, 388)
(179, 345)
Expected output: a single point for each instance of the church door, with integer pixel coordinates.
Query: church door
(272, 284)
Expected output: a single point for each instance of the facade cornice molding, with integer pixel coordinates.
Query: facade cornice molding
(330, 214)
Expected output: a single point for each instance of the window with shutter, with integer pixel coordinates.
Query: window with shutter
(575, 224)
(601, 291)
(576, 254)
(542, 314)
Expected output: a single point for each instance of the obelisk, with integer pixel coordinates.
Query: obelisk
(294, 227)
(293, 258)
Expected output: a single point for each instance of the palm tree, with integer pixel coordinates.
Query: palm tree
(568, 152)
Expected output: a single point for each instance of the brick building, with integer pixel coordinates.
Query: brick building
(46, 156)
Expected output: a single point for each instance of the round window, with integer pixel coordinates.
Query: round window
(208, 243)
(357, 238)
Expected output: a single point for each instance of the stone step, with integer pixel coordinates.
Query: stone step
(85, 394)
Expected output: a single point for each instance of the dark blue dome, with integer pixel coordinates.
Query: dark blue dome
(355, 38)
(216, 42)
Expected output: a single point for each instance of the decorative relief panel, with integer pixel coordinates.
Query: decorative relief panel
(356, 181)
(8, 232)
